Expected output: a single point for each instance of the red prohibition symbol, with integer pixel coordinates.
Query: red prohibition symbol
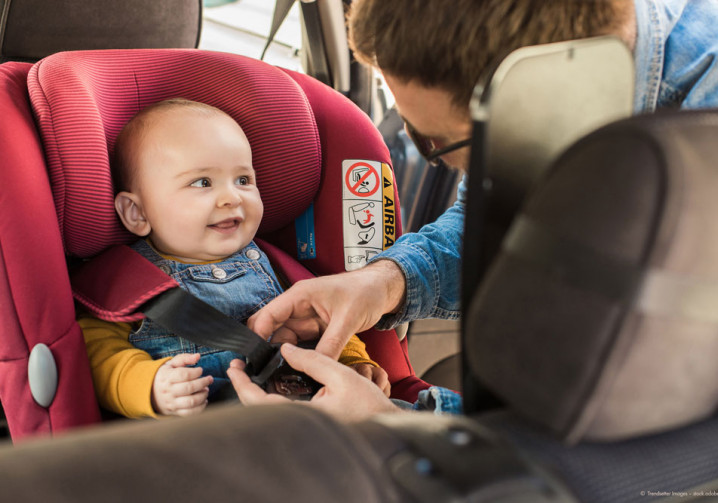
(359, 177)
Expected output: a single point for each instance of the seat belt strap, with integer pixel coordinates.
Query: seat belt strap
(193, 319)
(185, 315)
(281, 10)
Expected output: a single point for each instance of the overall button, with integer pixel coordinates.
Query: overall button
(219, 273)
(165, 269)
(252, 254)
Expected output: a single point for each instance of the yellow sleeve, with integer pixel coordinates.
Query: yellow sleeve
(355, 352)
(122, 374)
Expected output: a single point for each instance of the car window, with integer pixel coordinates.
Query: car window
(242, 27)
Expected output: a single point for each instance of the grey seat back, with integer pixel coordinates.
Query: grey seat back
(528, 110)
(33, 29)
(597, 318)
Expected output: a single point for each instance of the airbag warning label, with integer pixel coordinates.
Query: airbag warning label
(369, 212)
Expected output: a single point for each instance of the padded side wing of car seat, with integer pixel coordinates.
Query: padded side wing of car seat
(35, 298)
(347, 133)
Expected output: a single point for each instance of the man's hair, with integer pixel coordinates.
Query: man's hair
(123, 163)
(449, 43)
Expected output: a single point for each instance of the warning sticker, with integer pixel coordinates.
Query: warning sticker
(361, 179)
(369, 211)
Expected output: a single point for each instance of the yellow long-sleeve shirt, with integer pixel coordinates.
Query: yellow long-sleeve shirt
(123, 375)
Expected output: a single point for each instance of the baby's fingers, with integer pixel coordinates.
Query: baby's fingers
(186, 388)
(192, 404)
(183, 360)
(184, 374)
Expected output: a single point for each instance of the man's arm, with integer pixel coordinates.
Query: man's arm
(416, 278)
(336, 306)
(430, 261)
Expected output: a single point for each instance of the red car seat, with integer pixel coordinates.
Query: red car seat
(57, 201)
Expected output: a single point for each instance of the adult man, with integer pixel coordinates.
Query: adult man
(431, 54)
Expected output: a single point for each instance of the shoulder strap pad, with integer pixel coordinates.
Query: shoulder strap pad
(116, 282)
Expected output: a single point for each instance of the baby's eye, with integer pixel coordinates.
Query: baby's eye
(202, 182)
(243, 180)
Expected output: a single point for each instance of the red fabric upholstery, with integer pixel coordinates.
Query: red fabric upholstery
(300, 132)
(35, 299)
(134, 281)
(82, 99)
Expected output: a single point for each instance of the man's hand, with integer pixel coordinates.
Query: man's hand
(178, 390)
(333, 307)
(375, 374)
(346, 395)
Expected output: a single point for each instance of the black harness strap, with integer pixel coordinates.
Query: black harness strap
(193, 319)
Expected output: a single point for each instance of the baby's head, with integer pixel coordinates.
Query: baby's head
(185, 179)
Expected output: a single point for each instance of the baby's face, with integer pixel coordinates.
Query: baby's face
(197, 185)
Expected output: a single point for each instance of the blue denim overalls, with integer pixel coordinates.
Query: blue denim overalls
(237, 286)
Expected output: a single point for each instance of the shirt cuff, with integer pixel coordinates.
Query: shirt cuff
(439, 401)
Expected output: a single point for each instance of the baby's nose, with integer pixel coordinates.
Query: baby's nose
(229, 197)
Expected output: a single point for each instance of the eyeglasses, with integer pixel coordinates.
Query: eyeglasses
(426, 147)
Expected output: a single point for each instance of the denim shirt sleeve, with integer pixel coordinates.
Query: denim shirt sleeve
(439, 401)
(690, 74)
(676, 54)
(430, 260)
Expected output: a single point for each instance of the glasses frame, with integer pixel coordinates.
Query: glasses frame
(426, 148)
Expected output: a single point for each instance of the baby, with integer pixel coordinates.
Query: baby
(187, 186)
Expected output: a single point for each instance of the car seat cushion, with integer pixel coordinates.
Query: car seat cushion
(82, 100)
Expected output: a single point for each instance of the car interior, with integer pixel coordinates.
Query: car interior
(587, 341)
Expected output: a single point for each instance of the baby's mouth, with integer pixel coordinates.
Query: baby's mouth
(229, 224)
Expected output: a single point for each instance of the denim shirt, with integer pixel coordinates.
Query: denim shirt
(676, 61)
(676, 54)
(237, 286)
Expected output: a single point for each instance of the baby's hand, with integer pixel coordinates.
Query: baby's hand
(178, 390)
(377, 375)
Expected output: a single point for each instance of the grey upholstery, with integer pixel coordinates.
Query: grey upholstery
(681, 461)
(277, 453)
(33, 29)
(597, 318)
(262, 454)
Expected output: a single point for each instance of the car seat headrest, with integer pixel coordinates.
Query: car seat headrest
(33, 29)
(598, 317)
(82, 100)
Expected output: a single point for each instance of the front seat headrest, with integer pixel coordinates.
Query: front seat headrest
(33, 29)
(599, 316)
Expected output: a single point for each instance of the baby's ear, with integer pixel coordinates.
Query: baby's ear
(129, 208)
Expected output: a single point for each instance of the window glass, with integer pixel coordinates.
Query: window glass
(242, 27)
